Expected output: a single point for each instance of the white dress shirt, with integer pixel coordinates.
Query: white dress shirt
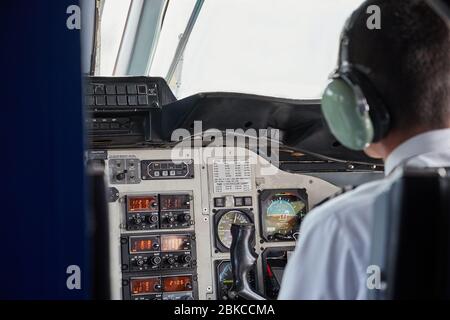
(332, 254)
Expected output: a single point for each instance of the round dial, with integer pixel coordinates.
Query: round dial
(284, 213)
(224, 225)
(225, 279)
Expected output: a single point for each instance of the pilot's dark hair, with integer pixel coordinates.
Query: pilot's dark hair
(410, 61)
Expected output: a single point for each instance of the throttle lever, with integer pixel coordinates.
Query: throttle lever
(243, 258)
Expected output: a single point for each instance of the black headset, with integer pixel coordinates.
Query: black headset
(352, 107)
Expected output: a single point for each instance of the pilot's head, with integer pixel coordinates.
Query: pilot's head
(394, 82)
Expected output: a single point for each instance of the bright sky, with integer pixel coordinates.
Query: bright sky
(283, 48)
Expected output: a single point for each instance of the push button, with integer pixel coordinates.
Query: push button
(110, 89)
(131, 89)
(90, 89)
(100, 100)
(99, 89)
(132, 100)
(121, 89)
(143, 100)
(111, 100)
(90, 101)
(239, 201)
(122, 100)
(219, 202)
(142, 89)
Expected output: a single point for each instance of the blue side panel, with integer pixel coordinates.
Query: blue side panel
(43, 216)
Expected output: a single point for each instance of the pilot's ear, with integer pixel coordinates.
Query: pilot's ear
(375, 150)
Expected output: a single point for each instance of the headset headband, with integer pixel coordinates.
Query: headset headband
(343, 60)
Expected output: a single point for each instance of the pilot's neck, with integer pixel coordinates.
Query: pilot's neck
(383, 148)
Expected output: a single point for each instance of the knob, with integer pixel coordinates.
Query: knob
(170, 260)
(140, 262)
(153, 219)
(120, 176)
(188, 286)
(137, 220)
(184, 217)
(170, 219)
(186, 258)
(157, 287)
(156, 260)
(155, 246)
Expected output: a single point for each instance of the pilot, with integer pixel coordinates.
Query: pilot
(391, 97)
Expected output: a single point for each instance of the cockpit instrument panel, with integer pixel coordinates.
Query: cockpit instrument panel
(170, 240)
(282, 212)
(223, 221)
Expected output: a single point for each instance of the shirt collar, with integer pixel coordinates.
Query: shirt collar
(431, 141)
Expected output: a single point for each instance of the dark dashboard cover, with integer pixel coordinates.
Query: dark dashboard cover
(300, 122)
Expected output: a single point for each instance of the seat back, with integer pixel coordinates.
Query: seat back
(99, 236)
(411, 238)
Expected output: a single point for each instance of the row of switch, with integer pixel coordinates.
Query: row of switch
(117, 100)
(169, 260)
(149, 221)
(111, 89)
(238, 202)
(165, 173)
(108, 123)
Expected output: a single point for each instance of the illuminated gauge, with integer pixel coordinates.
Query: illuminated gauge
(141, 286)
(142, 203)
(282, 212)
(224, 220)
(224, 277)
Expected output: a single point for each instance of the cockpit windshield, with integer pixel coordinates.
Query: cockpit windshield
(267, 47)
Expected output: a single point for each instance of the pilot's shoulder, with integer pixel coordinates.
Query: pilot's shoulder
(351, 205)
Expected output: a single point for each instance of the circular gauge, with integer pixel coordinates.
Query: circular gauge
(224, 276)
(282, 214)
(223, 227)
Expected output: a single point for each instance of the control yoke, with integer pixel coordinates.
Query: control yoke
(243, 258)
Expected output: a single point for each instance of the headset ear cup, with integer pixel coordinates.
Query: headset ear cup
(377, 110)
(346, 117)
